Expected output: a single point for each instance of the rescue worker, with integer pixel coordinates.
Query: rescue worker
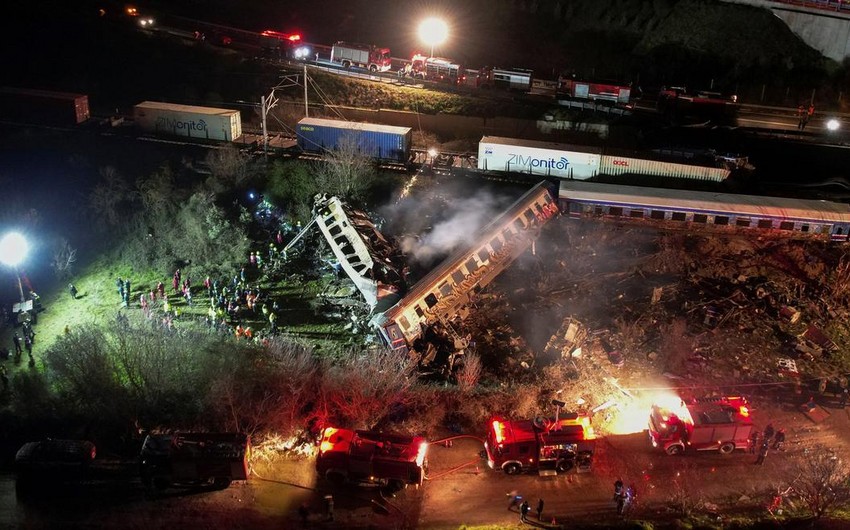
(73, 290)
(768, 432)
(539, 508)
(524, 508)
(763, 452)
(515, 499)
(17, 340)
(779, 439)
(754, 442)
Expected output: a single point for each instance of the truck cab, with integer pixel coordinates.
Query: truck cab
(371, 457)
(548, 446)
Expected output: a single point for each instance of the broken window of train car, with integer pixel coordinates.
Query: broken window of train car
(457, 277)
(765, 223)
(786, 225)
(615, 211)
(598, 210)
(403, 323)
(637, 214)
(529, 215)
(471, 266)
(700, 218)
(743, 221)
(445, 288)
(419, 311)
(430, 300)
(679, 216)
(721, 220)
(804, 228)
(657, 214)
(484, 255)
(496, 244)
(518, 224)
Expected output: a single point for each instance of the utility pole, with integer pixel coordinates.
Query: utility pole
(306, 107)
(267, 103)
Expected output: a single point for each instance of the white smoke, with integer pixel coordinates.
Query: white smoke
(466, 216)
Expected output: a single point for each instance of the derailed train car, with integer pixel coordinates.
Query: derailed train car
(721, 211)
(442, 293)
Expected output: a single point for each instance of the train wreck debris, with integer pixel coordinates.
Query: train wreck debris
(362, 251)
(442, 294)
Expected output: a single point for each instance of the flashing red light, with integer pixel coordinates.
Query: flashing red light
(499, 431)
(327, 444)
(295, 37)
(744, 411)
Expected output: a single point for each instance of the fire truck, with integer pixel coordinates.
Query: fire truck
(544, 445)
(276, 44)
(513, 79)
(372, 457)
(706, 424)
(607, 92)
(678, 103)
(372, 58)
(194, 459)
(435, 69)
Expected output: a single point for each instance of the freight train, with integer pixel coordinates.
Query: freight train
(547, 159)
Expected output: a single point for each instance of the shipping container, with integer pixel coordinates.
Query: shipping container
(538, 158)
(619, 165)
(187, 120)
(381, 142)
(43, 106)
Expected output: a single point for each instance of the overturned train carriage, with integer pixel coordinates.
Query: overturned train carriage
(441, 295)
(721, 211)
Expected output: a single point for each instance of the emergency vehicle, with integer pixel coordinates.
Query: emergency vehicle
(435, 69)
(543, 445)
(194, 459)
(372, 58)
(706, 424)
(283, 45)
(376, 457)
(615, 94)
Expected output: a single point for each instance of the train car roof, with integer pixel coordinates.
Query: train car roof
(754, 205)
(459, 256)
(354, 125)
(499, 140)
(177, 107)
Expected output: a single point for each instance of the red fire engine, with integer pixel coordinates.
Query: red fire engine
(707, 424)
(677, 103)
(545, 445)
(608, 92)
(434, 69)
(364, 456)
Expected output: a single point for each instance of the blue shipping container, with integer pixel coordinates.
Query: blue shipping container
(382, 142)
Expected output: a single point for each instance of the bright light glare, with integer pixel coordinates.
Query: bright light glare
(433, 31)
(631, 416)
(432, 152)
(833, 124)
(13, 249)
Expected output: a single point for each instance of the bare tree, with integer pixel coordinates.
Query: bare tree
(64, 258)
(822, 481)
(839, 286)
(158, 192)
(469, 373)
(106, 198)
(228, 167)
(359, 389)
(346, 171)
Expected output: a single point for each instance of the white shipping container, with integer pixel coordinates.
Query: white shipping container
(538, 158)
(187, 120)
(618, 165)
